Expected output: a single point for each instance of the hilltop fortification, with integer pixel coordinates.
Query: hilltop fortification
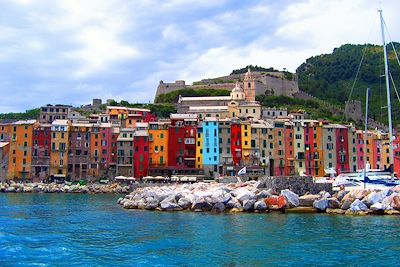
(272, 83)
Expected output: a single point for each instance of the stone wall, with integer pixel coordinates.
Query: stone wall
(298, 184)
(272, 82)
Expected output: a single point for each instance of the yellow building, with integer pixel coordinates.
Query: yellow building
(158, 144)
(199, 148)
(59, 148)
(246, 141)
(20, 151)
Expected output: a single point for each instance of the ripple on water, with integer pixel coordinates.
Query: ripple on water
(72, 230)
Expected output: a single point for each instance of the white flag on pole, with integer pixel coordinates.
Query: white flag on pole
(242, 171)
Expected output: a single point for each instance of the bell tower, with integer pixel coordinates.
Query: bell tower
(249, 86)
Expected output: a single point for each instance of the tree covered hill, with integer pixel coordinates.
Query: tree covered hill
(331, 76)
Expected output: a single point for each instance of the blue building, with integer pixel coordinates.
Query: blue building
(210, 144)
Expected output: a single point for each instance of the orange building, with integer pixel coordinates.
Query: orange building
(20, 151)
(127, 117)
(158, 147)
(319, 150)
(59, 148)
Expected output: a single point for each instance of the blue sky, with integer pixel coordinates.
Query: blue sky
(70, 51)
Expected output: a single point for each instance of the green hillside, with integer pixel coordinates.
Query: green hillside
(27, 115)
(330, 77)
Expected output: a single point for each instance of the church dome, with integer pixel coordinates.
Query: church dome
(238, 88)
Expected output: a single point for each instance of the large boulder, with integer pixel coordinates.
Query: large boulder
(321, 204)
(259, 184)
(387, 202)
(151, 203)
(184, 203)
(376, 196)
(248, 205)
(292, 199)
(243, 194)
(396, 203)
(219, 196)
(275, 202)
(200, 204)
(169, 204)
(129, 204)
(264, 194)
(260, 205)
(358, 205)
(346, 204)
(333, 203)
(377, 206)
(341, 194)
(233, 203)
(308, 200)
(218, 207)
(324, 194)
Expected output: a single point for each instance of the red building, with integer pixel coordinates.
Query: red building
(342, 150)
(141, 154)
(106, 145)
(182, 144)
(41, 151)
(189, 156)
(176, 146)
(236, 145)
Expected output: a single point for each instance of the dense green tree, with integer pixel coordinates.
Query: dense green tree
(331, 76)
(27, 115)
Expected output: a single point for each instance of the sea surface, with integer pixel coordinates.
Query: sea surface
(92, 230)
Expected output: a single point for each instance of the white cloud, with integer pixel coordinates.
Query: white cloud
(74, 50)
(98, 49)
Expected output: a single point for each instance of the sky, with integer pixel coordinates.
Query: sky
(71, 51)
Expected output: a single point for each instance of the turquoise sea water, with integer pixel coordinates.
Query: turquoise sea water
(92, 230)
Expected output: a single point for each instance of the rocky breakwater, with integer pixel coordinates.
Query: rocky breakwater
(13, 187)
(253, 197)
(356, 202)
(214, 197)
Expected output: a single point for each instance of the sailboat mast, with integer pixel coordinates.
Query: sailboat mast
(389, 106)
(365, 134)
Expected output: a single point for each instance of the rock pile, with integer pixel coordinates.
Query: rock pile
(13, 187)
(215, 197)
(251, 197)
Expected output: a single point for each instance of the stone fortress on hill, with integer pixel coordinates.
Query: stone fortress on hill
(274, 83)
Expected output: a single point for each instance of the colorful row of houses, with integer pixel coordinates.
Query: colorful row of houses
(132, 142)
